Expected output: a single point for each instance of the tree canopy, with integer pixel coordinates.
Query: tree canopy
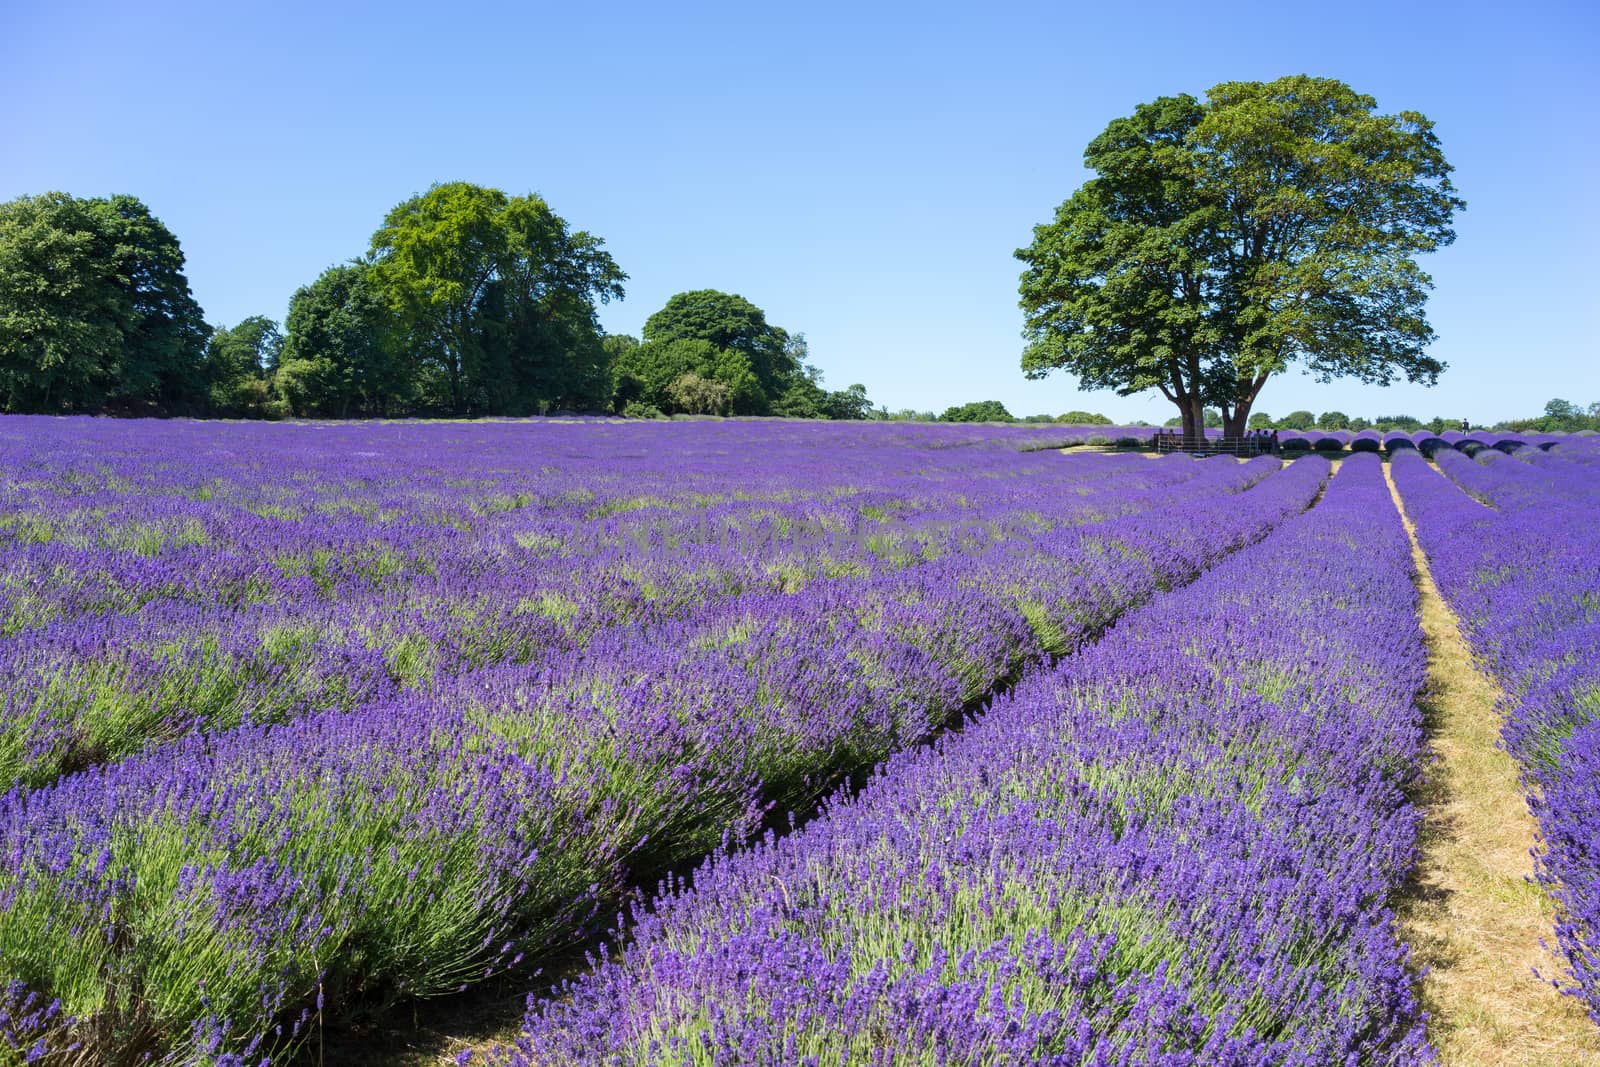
(977, 411)
(710, 352)
(495, 300)
(1219, 243)
(342, 356)
(95, 310)
(240, 363)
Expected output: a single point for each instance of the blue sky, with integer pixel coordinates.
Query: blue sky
(863, 172)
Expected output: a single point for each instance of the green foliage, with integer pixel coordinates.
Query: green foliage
(95, 311)
(1260, 420)
(695, 395)
(849, 404)
(740, 364)
(687, 376)
(977, 411)
(1562, 410)
(1083, 418)
(1297, 420)
(238, 366)
(729, 321)
(1220, 243)
(342, 358)
(494, 298)
(1397, 422)
(1333, 420)
(638, 409)
(1560, 416)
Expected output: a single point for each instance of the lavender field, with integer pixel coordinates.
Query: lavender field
(833, 744)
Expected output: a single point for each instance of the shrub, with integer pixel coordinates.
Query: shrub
(638, 409)
(1097, 439)
(1294, 444)
(1365, 444)
(1129, 442)
(977, 411)
(1329, 444)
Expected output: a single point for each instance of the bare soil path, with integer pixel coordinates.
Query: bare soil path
(1473, 918)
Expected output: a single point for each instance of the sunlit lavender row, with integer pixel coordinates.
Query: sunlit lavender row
(1175, 847)
(155, 580)
(342, 716)
(1515, 547)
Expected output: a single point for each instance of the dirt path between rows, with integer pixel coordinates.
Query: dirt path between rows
(1472, 917)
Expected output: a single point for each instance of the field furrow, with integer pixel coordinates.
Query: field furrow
(1177, 846)
(1523, 576)
(1475, 920)
(215, 895)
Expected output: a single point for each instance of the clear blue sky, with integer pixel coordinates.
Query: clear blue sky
(863, 172)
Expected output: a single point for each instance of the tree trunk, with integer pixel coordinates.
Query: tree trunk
(1236, 422)
(1194, 419)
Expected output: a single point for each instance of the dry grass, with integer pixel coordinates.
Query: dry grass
(1472, 917)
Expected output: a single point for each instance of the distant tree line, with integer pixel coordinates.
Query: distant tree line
(466, 302)
(1560, 416)
(988, 411)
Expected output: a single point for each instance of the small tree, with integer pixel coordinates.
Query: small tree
(1083, 418)
(977, 411)
(699, 396)
(849, 403)
(1562, 410)
(1297, 420)
(1332, 420)
(1260, 420)
(238, 364)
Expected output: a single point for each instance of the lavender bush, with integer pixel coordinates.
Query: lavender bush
(1174, 848)
(363, 713)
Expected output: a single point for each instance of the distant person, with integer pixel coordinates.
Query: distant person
(1464, 427)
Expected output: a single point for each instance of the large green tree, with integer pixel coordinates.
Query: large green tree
(95, 310)
(729, 321)
(495, 298)
(341, 358)
(762, 366)
(1219, 243)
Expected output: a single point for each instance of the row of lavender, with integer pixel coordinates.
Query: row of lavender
(197, 897)
(1175, 848)
(1523, 572)
(1426, 441)
(156, 582)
